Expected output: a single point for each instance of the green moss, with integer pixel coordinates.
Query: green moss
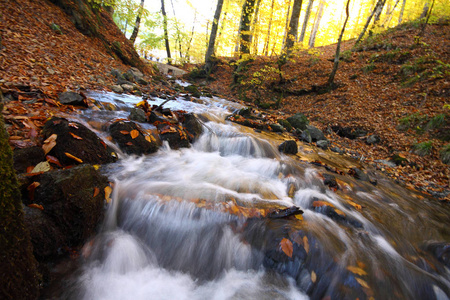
(423, 149)
(445, 154)
(18, 266)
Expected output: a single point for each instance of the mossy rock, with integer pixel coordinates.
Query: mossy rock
(298, 121)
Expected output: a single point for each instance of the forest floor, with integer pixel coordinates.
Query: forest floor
(395, 86)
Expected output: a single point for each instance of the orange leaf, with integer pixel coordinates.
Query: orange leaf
(38, 206)
(287, 247)
(53, 160)
(73, 125)
(31, 189)
(49, 143)
(134, 133)
(73, 157)
(108, 191)
(129, 144)
(75, 136)
(362, 282)
(96, 191)
(306, 243)
(124, 132)
(356, 270)
(321, 203)
(313, 276)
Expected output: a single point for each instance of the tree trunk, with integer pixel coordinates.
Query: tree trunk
(305, 22)
(286, 27)
(191, 37)
(244, 26)
(422, 31)
(266, 45)
(212, 37)
(390, 14)
(254, 36)
(293, 26)
(312, 38)
(138, 23)
(424, 13)
(379, 4)
(17, 263)
(378, 11)
(400, 17)
(166, 34)
(338, 49)
(178, 41)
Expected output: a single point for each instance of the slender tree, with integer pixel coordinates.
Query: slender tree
(286, 27)
(305, 21)
(254, 36)
(402, 10)
(166, 34)
(338, 49)
(177, 28)
(137, 23)
(293, 26)
(389, 15)
(266, 44)
(312, 38)
(244, 27)
(378, 7)
(422, 31)
(212, 37)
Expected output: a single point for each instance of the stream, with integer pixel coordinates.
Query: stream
(194, 223)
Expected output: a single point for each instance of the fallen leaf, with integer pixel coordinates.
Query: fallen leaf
(49, 143)
(53, 160)
(362, 282)
(306, 243)
(38, 206)
(356, 270)
(134, 133)
(43, 166)
(321, 203)
(73, 125)
(129, 144)
(124, 132)
(96, 191)
(73, 157)
(75, 136)
(287, 247)
(313, 276)
(31, 188)
(108, 191)
(149, 138)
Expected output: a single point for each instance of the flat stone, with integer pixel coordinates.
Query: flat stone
(117, 89)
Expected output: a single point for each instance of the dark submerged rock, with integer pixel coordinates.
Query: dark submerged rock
(121, 133)
(323, 144)
(192, 126)
(137, 114)
(288, 147)
(349, 132)
(75, 139)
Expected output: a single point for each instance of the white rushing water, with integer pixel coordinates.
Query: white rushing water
(167, 236)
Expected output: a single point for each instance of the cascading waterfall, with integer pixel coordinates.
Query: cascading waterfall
(169, 233)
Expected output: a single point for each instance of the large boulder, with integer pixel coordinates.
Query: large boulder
(349, 132)
(288, 147)
(27, 157)
(192, 126)
(298, 121)
(71, 201)
(76, 144)
(174, 134)
(312, 134)
(131, 139)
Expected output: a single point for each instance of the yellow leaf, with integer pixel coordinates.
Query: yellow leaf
(96, 191)
(340, 212)
(313, 276)
(287, 247)
(108, 191)
(356, 270)
(143, 102)
(73, 157)
(41, 167)
(362, 282)
(134, 133)
(306, 243)
(96, 167)
(299, 216)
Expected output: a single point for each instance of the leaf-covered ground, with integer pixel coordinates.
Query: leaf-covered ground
(396, 86)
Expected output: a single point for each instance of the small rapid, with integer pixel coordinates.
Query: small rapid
(194, 224)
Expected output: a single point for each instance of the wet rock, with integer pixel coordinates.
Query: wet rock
(288, 147)
(359, 174)
(323, 144)
(387, 163)
(117, 89)
(298, 121)
(26, 157)
(137, 114)
(315, 133)
(127, 87)
(72, 98)
(349, 132)
(46, 236)
(76, 144)
(192, 126)
(123, 133)
(73, 200)
(285, 124)
(245, 112)
(116, 73)
(192, 89)
(440, 250)
(276, 128)
(372, 139)
(337, 150)
(134, 75)
(330, 181)
(284, 213)
(174, 134)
